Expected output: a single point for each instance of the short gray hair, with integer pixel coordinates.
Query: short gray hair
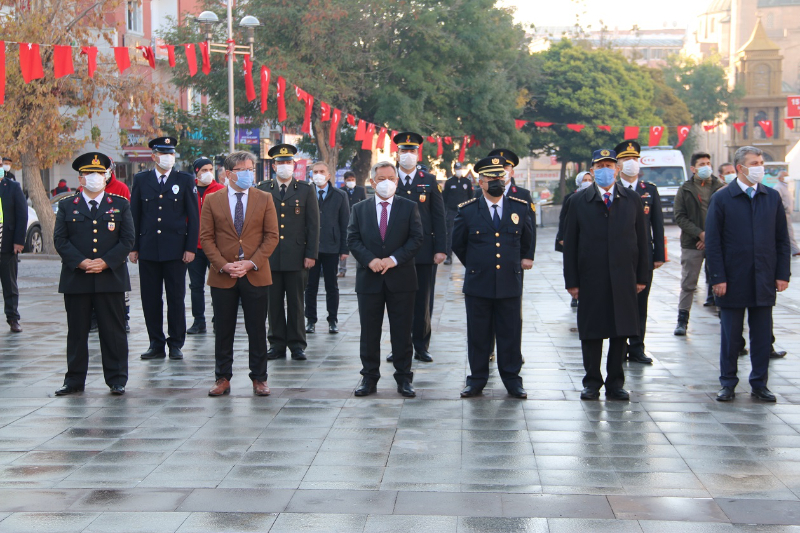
(738, 158)
(383, 164)
(234, 158)
(323, 163)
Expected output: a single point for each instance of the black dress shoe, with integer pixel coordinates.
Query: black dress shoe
(425, 357)
(777, 354)
(448, 261)
(617, 394)
(311, 327)
(639, 357)
(406, 389)
(127, 327)
(709, 302)
(574, 303)
(299, 355)
(333, 328)
(470, 391)
(726, 394)
(274, 353)
(589, 393)
(65, 389)
(197, 328)
(118, 390)
(743, 352)
(518, 392)
(366, 387)
(154, 353)
(175, 353)
(390, 357)
(763, 394)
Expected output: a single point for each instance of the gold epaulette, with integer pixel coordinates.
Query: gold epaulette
(518, 200)
(462, 204)
(117, 195)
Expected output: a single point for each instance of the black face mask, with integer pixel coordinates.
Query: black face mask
(496, 188)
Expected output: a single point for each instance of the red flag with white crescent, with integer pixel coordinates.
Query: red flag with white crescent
(325, 109)
(683, 132)
(655, 135)
(766, 125)
(265, 75)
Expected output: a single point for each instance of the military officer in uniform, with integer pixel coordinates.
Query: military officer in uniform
(94, 233)
(493, 238)
(457, 190)
(167, 220)
(628, 164)
(420, 186)
(298, 245)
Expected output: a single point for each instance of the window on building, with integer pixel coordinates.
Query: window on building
(134, 16)
(656, 53)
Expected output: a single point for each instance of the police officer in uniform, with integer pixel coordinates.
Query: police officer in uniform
(167, 219)
(420, 186)
(298, 245)
(628, 163)
(457, 190)
(94, 233)
(493, 238)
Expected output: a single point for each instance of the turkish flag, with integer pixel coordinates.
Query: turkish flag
(351, 120)
(766, 125)
(281, 99)
(91, 55)
(421, 147)
(655, 135)
(739, 126)
(30, 62)
(147, 53)
(249, 86)
(325, 111)
(604, 128)
(575, 127)
(191, 58)
(448, 140)
(439, 147)
(206, 55)
(309, 102)
(709, 127)
(473, 141)
(265, 75)
(462, 153)
(542, 124)
(683, 132)
(431, 139)
(789, 123)
(631, 133)
(170, 48)
(369, 138)
(123, 57)
(392, 145)
(362, 127)
(336, 116)
(382, 139)
(62, 61)
(2, 72)
(519, 124)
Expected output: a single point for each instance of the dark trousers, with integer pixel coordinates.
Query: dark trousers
(226, 311)
(450, 220)
(154, 277)
(110, 310)
(488, 318)
(8, 278)
(423, 303)
(286, 328)
(637, 343)
(398, 307)
(732, 323)
(198, 274)
(593, 354)
(328, 265)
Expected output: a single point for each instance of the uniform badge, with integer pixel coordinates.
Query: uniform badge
(75, 212)
(513, 189)
(111, 226)
(647, 210)
(515, 218)
(175, 189)
(646, 195)
(296, 210)
(465, 186)
(422, 198)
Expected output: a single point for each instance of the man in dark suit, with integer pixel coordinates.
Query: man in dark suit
(420, 186)
(166, 215)
(94, 233)
(749, 254)
(334, 213)
(296, 253)
(13, 229)
(494, 240)
(457, 190)
(628, 164)
(606, 264)
(384, 236)
(239, 232)
(355, 193)
(7, 161)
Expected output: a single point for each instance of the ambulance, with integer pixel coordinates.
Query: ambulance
(664, 167)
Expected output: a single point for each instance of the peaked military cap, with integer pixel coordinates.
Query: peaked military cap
(407, 139)
(282, 152)
(164, 144)
(603, 153)
(511, 157)
(457, 166)
(92, 162)
(492, 166)
(628, 149)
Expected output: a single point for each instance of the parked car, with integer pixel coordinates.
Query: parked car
(33, 236)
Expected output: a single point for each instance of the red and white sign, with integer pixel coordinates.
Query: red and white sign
(300, 169)
(793, 106)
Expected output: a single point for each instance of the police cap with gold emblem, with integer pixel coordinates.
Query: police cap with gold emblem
(92, 162)
(407, 140)
(628, 149)
(491, 167)
(511, 157)
(165, 145)
(603, 153)
(282, 152)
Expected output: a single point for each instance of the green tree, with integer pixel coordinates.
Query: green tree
(668, 107)
(201, 131)
(703, 86)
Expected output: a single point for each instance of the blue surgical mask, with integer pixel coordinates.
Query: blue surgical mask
(244, 179)
(704, 173)
(604, 177)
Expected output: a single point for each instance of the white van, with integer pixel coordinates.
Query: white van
(664, 167)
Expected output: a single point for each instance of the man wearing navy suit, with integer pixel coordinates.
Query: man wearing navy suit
(748, 255)
(384, 236)
(355, 193)
(13, 227)
(167, 220)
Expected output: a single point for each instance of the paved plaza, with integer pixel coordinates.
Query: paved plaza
(165, 457)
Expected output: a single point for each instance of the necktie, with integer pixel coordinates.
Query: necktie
(320, 199)
(93, 203)
(408, 181)
(496, 218)
(283, 190)
(630, 186)
(238, 219)
(749, 192)
(384, 219)
(162, 180)
(607, 199)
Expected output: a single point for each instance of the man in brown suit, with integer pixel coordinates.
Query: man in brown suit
(238, 233)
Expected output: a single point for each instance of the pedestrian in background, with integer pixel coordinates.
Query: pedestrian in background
(355, 194)
(13, 230)
(782, 186)
(456, 191)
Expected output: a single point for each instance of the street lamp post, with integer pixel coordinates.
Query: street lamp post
(208, 19)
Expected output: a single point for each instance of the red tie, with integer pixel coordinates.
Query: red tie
(384, 220)
(607, 199)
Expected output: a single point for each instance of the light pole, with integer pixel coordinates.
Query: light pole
(208, 19)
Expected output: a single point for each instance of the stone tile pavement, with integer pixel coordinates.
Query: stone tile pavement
(312, 457)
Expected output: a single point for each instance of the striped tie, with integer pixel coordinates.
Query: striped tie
(607, 199)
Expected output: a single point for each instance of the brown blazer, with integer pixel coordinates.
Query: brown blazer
(221, 243)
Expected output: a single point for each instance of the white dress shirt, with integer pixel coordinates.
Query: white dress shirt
(603, 192)
(626, 185)
(98, 199)
(232, 202)
(744, 187)
(379, 209)
(403, 176)
(499, 205)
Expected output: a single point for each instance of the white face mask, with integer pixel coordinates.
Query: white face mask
(507, 177)
(350, 184)
(386, 188)
(205, 178)
(460, 173)
(755, 174)
(584, 185)
(630, 167)
(320, 180)
(704, 172)
(95, 182)
(408, 160)
(166, 161)
(284, 172)
(730, 177)
(6, 168)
